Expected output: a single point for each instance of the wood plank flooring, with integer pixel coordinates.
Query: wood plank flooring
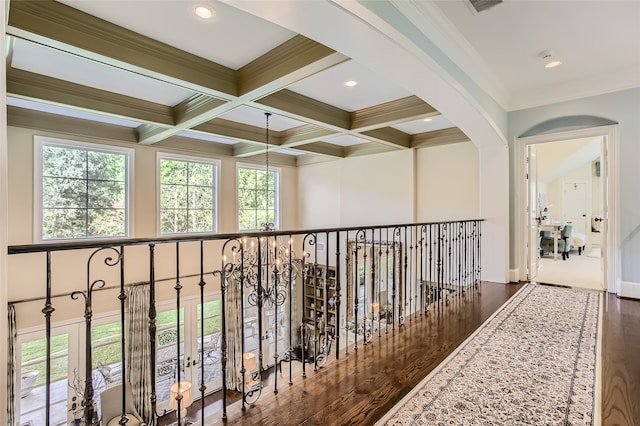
(362, 386)
(621, 362)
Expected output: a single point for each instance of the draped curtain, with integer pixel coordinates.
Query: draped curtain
(233, 330)
(11, 367)
(138, 350)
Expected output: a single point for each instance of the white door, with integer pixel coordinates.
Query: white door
(533, 214)
(31, 366)
(191, 342)
(575, 207)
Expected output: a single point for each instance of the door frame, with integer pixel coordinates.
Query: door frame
(611, 202)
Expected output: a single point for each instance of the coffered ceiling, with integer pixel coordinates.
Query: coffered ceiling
(151, 72)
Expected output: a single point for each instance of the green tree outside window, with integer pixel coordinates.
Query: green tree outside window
(84, 192)
(187, 196)
(257, 198)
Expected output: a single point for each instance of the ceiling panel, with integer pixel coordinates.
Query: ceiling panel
(346, 140)
(438, 122)
(255, 117)
(69, 112)
(231, 38)
(206, 137)
(328, 87)
(54, 63)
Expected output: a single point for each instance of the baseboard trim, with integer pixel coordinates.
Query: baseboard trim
(514, 275)
(629, 289)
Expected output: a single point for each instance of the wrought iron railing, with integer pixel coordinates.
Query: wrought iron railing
(308, 293)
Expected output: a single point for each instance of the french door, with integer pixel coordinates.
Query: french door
(193, 361)
(68, 369)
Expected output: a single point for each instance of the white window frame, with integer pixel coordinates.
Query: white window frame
(216, 193)
(39, 143)
(278, 170)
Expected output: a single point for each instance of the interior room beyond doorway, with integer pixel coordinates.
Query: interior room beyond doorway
(570, 200)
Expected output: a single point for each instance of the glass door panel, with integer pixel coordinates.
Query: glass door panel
(212, 346)
(107, 357)
(33, 379)
(167, 353)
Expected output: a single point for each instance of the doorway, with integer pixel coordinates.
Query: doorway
(576, 164)
(566, 185)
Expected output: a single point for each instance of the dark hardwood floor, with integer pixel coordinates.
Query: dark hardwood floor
(360, 387)
(621, 362)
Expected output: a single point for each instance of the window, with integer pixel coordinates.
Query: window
(258, 197)
(82, 190)
(188, 195)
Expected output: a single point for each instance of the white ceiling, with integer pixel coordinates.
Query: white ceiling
(598, 41)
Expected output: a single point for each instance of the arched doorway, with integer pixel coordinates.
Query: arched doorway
(562, 129)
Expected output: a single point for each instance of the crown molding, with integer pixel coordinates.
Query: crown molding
(438, 137)
(432, 22)
(390, 113)
(40, 88)
(323, 148)
(44, 121)
(301, 135)
(390, 137)
(367, 149)
(308, 110)
(64, 28)
(293, 60)
(593, 85)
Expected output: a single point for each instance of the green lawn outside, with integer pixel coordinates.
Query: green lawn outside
(105, 342)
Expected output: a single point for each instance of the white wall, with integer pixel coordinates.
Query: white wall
(438, 183)
(448, 183)
(319, 195)
(368, 190)
(378, 189)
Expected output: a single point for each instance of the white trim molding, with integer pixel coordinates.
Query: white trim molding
(611, 169)
(629, 289)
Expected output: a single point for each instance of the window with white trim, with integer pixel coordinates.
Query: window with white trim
(188, 194)
(82, 190)
(258, 197)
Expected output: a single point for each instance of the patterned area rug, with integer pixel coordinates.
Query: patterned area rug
(532, 363)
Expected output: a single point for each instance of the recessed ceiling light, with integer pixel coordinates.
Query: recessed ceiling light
(553, 64)
(550, 61)
(350, 83)
(428, 119)
(204, 11)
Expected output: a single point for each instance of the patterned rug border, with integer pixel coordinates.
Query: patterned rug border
(517, 298)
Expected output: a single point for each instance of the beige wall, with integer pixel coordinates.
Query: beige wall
(27, 272)
(438, 183)
(368, 190)
(448, 182)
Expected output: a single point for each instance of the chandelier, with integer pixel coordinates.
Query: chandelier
(264, 267)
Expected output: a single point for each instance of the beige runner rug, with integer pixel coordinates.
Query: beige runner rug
(532, 363)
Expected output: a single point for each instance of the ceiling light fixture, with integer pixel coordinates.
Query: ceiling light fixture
(350, 83)
(553, 64)
(428, 120)
(204, 11)
(547, 56)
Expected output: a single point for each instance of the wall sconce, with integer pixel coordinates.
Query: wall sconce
(181, 391)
